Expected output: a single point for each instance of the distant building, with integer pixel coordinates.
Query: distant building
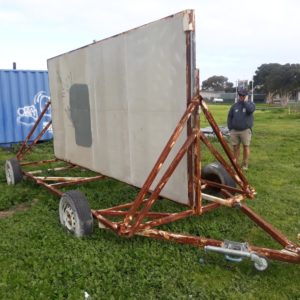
(209, 95)
(229, 97)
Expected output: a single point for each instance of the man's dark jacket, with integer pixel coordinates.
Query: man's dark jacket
(240, 115)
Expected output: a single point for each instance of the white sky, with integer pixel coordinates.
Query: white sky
(233, 37)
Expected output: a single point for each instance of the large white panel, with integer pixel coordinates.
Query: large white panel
(116, 102)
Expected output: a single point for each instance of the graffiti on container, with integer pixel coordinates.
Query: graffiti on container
(27, 115)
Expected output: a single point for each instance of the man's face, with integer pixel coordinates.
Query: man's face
(242, 98)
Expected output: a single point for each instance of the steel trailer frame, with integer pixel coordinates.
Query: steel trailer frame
(52, 183)
(137, 216)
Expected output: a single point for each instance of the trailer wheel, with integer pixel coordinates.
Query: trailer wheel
(13, 171)
(260, 262)
(217, 173)
(75, 213)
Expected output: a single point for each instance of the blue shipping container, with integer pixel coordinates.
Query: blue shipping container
(23, 95)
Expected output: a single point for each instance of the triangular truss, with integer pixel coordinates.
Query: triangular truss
(137, 217)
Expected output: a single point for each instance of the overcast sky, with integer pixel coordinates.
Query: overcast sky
(233, 37)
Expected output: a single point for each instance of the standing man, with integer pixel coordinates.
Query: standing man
(240, 122)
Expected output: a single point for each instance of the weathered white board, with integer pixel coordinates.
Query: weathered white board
(116, 102)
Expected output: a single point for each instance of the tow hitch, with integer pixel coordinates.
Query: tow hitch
(236, 252)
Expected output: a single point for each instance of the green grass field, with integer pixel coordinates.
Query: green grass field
(40, 260)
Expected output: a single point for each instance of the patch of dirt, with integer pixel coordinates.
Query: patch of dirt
(18, 208)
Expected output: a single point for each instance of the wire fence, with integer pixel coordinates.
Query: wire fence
(290, 107)
(293, 107)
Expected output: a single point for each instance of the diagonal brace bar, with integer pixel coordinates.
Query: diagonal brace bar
(130, 231)
(163, 156)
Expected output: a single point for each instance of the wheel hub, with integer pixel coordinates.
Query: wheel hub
(69, 217)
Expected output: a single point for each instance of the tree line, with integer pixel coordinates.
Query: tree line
(271, 79)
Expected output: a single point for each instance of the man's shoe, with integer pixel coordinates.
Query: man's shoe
(245, 167)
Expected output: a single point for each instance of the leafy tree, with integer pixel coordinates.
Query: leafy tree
(217, 83)
(273, 79)
(229, 87)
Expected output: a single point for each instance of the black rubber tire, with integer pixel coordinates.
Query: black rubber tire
(75, 213)
(217, 173)
(13, 171)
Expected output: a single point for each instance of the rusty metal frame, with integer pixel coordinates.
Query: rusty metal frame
(138, 219)
(25, 148)
(52, 183)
